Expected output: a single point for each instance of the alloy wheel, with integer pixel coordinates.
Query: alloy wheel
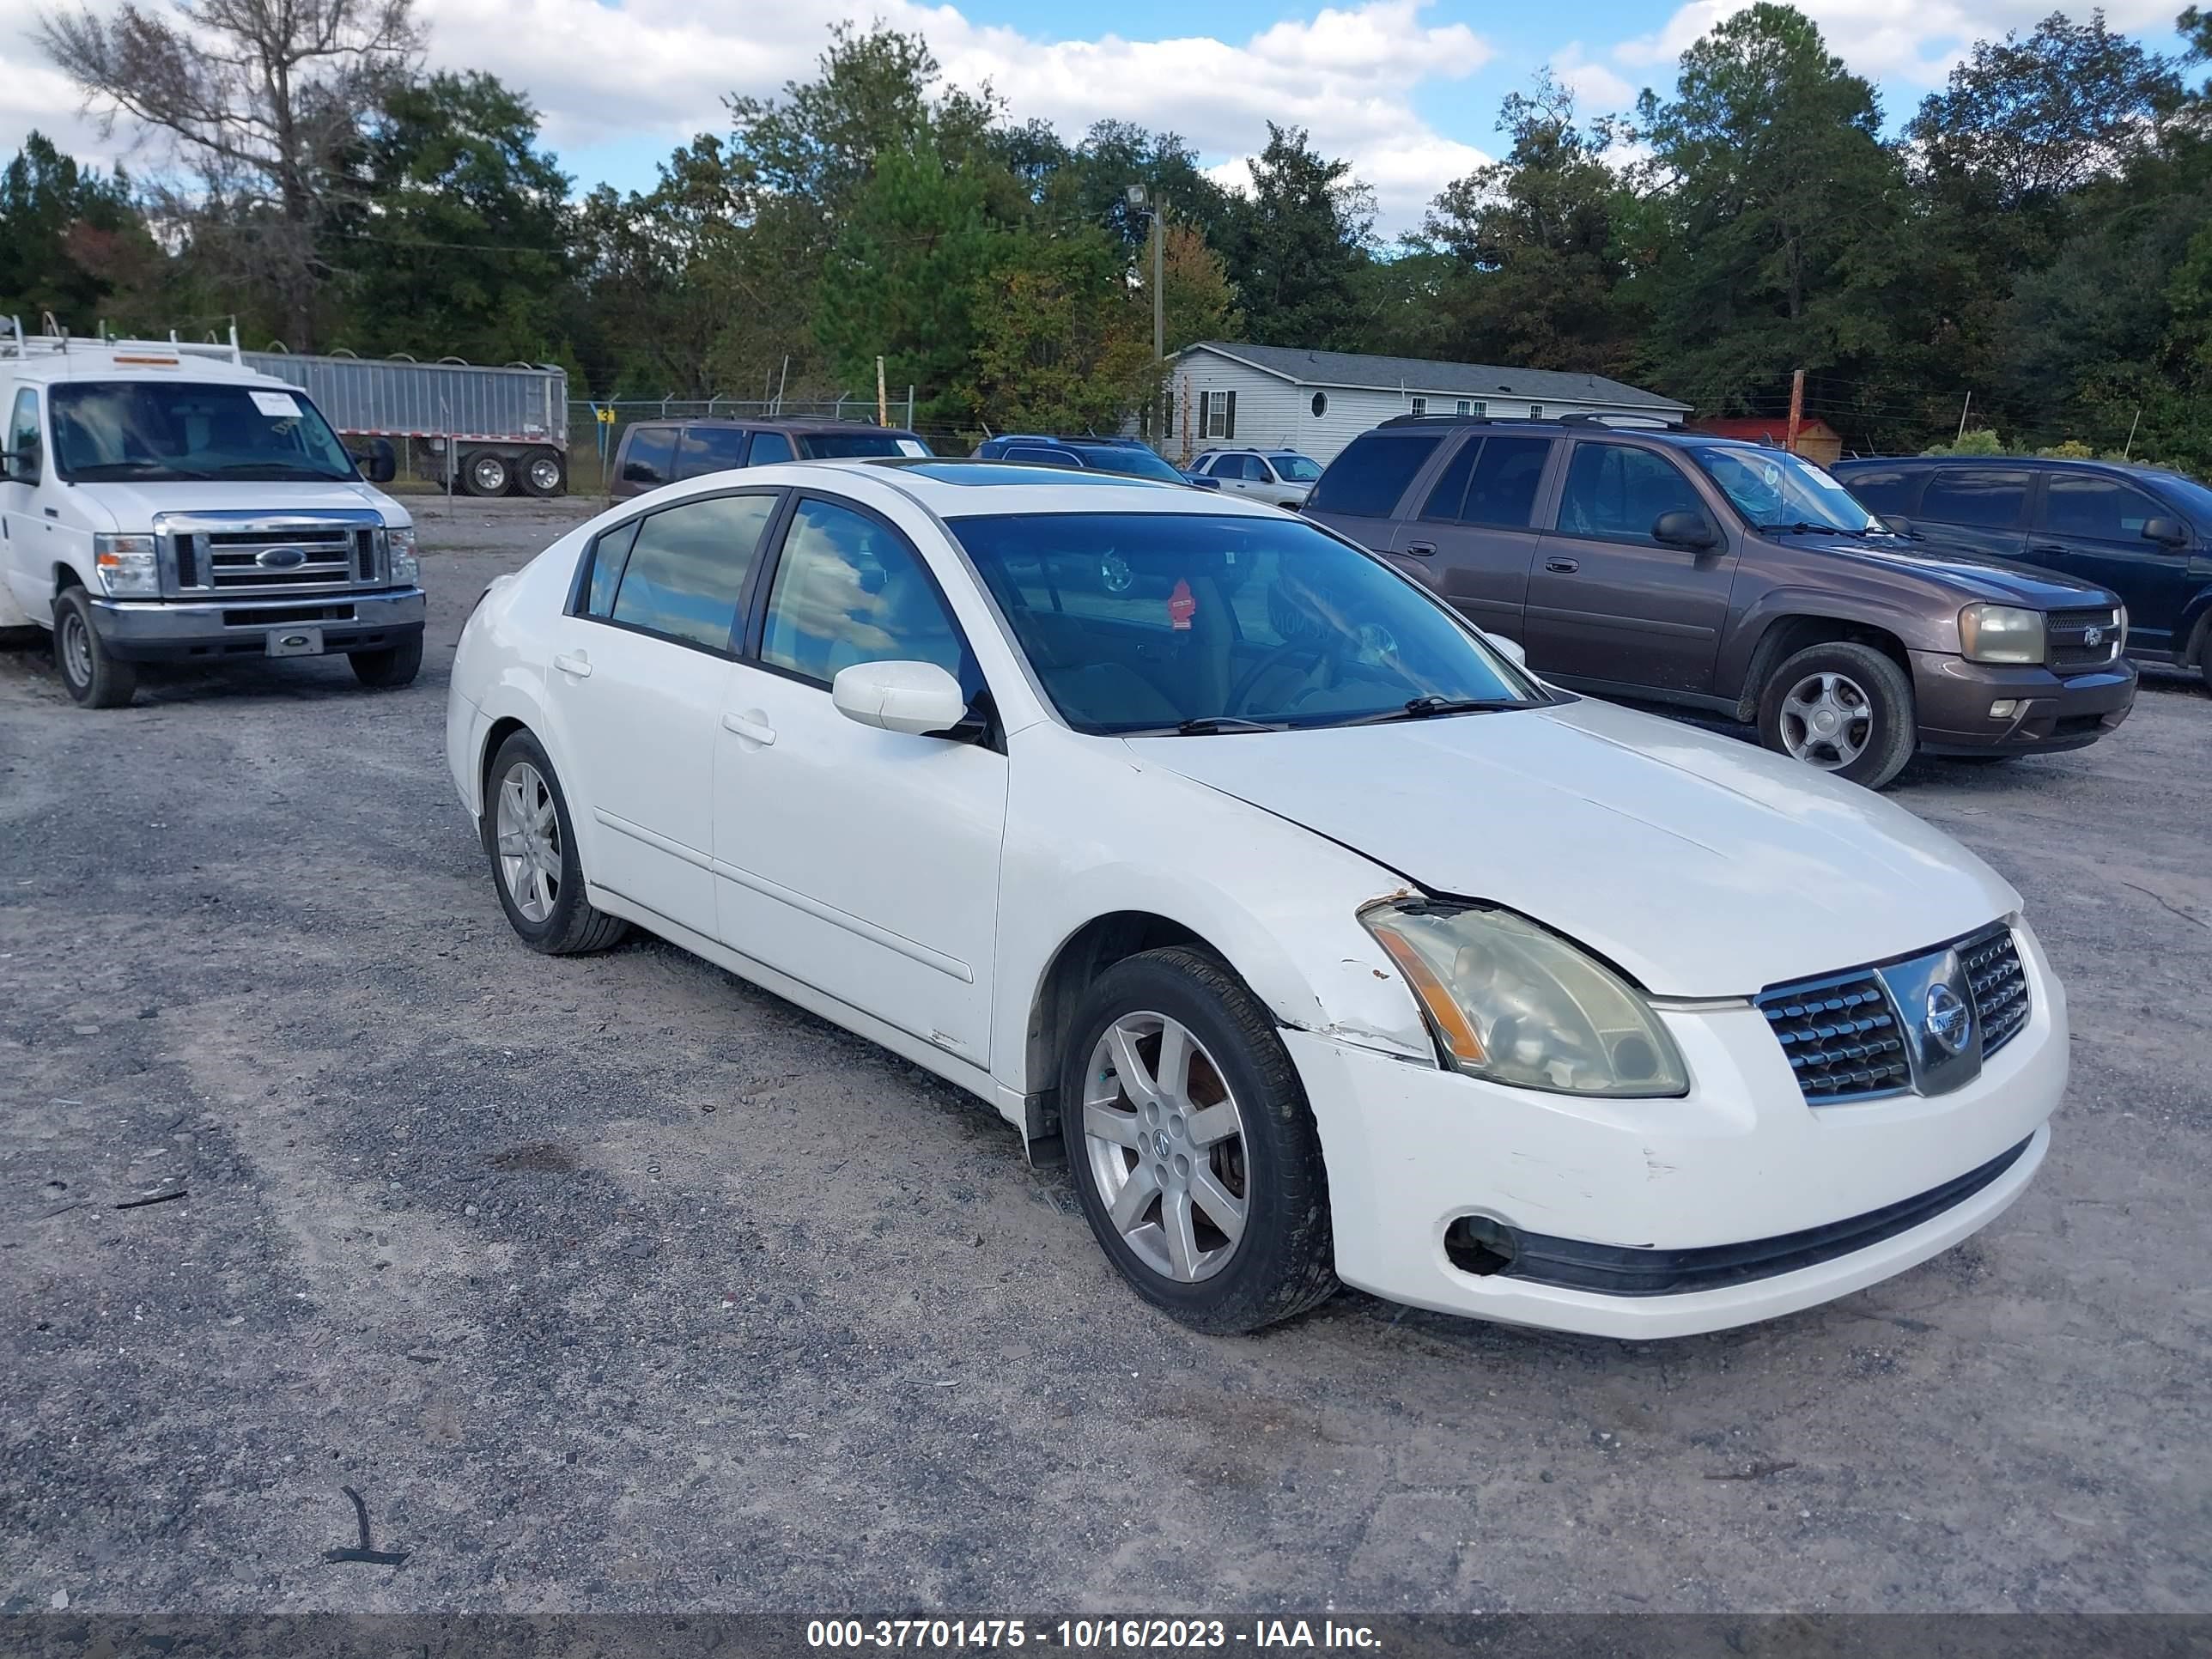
(529, 830)
(1166, 1144)
(1827, 721)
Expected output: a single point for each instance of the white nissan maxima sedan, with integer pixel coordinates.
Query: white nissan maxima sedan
(1335, 946)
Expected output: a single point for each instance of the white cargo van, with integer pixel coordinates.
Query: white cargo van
(164, 502)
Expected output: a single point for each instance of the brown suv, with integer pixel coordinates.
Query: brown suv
(1737, 580)
(655, 452)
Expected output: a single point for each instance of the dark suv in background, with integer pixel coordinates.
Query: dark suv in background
(655, 452)
(1132, 457)
(2143, 533)
(1741, 581)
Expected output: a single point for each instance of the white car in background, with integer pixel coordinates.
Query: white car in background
(1333, 946)
(1282, 476)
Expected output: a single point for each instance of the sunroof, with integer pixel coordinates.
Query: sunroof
(987, 473)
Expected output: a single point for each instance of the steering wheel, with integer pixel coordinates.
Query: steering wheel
(1324, 651)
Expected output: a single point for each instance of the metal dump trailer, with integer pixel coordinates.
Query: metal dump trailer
(501, 431)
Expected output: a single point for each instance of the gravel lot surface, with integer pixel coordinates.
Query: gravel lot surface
(613, 1284)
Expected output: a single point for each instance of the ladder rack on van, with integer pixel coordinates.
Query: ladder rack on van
(55, 341)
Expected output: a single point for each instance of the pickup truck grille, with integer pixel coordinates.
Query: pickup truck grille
(1846, 1039)
(241, 555)
(2068, 632)
(1841, 1035)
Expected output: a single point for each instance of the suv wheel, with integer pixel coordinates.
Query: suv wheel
(1842, 708)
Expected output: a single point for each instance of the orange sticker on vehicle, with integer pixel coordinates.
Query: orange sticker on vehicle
(1181, 607)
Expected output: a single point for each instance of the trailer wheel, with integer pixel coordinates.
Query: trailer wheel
(483, 473)
(542, 474)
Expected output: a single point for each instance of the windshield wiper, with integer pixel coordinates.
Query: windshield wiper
(1423, 708)
(136, 469)
(277, 469)
(1206, 726)
(1803, 528)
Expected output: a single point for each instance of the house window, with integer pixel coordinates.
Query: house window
(1320, 404)
(1220, 414)
(1420, 407)
(1535, 411)
(1464, 406)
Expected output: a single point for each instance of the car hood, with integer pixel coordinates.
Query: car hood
(1700, 865)
(1997, 579)
(133, 506)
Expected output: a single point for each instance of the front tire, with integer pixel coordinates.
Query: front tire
(1193, 1150)
(531, 843)
(483, 473)
(1841, 708)
(93, 678)
(394, 665)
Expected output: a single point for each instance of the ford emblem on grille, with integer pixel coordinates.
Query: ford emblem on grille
(281, 558)
(2093, 636)
(1950, 1022)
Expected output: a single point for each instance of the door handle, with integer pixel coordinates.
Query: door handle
(1564, 566)
(759, 732)
(1420, 550)
(2046, 547)
(575, 663)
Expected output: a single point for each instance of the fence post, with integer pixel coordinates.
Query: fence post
(910, 406)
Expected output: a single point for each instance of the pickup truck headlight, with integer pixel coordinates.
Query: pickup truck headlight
(2001, 633)
(400, 541)
(1510, 1002)
(127, 566)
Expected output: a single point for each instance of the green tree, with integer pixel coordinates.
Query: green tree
(462, 243)
(1061, 344)
(1297, 246)
(1776, 213)
(71, 241)
(1198, 301)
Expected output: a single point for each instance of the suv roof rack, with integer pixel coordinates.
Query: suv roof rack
(1446, 420)
(1599, 417)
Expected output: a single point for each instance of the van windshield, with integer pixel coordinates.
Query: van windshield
(1776, 490)
(162, 430)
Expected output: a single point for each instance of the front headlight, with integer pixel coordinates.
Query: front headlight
(400, 539)
(2001, 633)
(1515, 1004)
(127, 566)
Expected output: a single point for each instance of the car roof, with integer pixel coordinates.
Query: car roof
(950, 488)
(2052, 462)
(1414, 426)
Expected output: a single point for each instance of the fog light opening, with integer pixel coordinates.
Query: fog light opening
(1479, 1245)
(2004, 708)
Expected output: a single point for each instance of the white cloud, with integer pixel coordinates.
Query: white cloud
(1597, 90)
(659, 69)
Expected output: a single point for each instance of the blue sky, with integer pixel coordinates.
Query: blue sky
(1408, 89)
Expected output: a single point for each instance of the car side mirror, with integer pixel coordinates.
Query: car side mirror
(382, 464)
(16, 461)
(1681, 529)
(1200, 480)
(917, 698)
(2166, 533)
(1507, 647)
(1897, 524)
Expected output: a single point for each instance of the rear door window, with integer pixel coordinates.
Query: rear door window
(709, 449)
(1503, 492)
(649, 455)
(2090, 508)
(1367, 480)
(1980, 498)
(688, 566)
(1450, 489)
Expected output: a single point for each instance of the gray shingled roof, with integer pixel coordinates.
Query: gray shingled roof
(1355, 368)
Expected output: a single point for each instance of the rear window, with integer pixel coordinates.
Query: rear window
(838, 446)
(1886, 490)
(1366, 480)
(647, 458)
(1975, 497)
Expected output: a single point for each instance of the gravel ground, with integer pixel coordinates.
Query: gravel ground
(613, 1284)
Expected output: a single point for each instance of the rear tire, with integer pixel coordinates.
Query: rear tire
(544, 473)
(394, 665)
(483, 473)
(1230, 1141)
(92, 678)
(531, 844)
(1843, 709)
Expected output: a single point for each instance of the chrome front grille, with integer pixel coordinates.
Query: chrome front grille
(2067, 634)
(1873, 1032)
(1841, 1035)
(1999, 988)
(240, 555)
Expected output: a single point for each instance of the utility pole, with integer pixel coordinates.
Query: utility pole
(1797, 410)
(1963, 409)
(1136, 195)
(883, 402)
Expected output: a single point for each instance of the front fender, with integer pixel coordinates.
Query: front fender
(1908, 623)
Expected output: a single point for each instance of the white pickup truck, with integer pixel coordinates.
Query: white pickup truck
(162, 502)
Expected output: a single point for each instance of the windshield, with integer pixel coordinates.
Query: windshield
(158, 431)
(1296, 468)
(1132, 460)
(1147, 621)
(2194, 497)
(1777, 490)
(836, 445)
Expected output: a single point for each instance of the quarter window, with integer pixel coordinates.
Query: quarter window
(28, 463)
(709, 449)
(1615, 493)
(1367, 479)
(687, 568)
(1886, 490)
(1974, 497)
(849, 590)
(768, 446)
(2096, 510)
(651, 450)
